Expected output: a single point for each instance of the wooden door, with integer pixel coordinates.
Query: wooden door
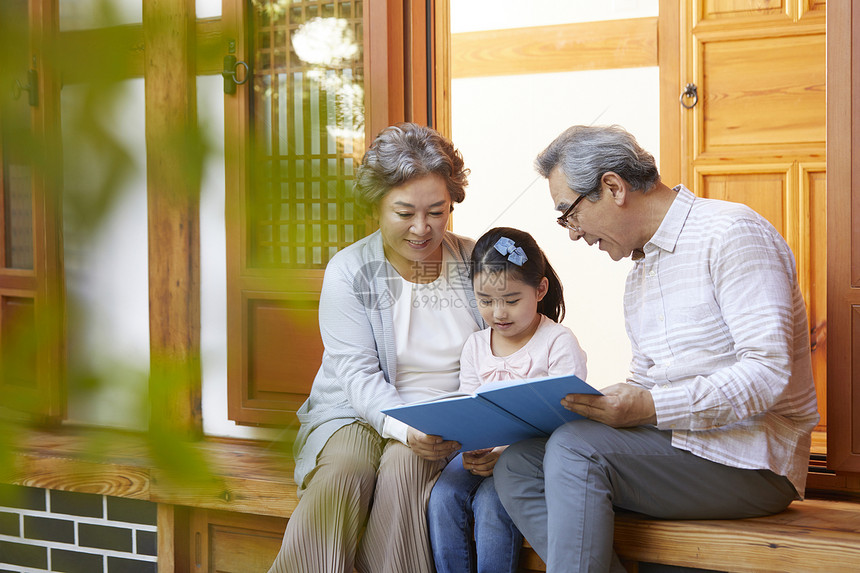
(319, 79)
(754, 132)
(31, 281)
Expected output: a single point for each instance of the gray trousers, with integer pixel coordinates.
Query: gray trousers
(562, 492)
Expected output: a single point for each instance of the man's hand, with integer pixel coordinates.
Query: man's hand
(481, 462)
(621, 406)
(432, 448)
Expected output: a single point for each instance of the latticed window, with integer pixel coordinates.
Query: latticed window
(308, 130)
(16, 194)
(18, 213)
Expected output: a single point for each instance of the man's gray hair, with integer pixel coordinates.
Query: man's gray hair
(407, 151)
(586, 153)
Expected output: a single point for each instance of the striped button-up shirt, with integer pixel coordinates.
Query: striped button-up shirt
(719, 335)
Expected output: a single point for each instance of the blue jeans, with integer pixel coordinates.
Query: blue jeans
(458, 500)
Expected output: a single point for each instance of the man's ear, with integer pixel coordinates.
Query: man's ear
(616, 186)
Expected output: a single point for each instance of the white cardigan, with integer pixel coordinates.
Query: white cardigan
(359, 365)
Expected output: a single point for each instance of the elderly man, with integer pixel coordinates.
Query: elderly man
(715, 418)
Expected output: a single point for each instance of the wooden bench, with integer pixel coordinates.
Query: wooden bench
(812, 535)
(255, 479)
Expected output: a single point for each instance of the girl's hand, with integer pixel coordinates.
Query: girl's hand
(432, 448)
(481, 462)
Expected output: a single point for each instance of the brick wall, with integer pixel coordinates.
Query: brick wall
(50, 530)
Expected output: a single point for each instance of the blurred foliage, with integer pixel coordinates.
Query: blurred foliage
(88, 175)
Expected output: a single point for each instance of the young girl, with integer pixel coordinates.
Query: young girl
(520, 297)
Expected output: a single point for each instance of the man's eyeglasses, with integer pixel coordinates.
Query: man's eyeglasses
(563, 220)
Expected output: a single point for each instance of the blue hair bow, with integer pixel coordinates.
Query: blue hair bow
(515, 254)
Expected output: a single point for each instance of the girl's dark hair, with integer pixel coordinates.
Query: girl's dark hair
(486, 258)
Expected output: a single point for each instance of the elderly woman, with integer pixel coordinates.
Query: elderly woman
(395, 310)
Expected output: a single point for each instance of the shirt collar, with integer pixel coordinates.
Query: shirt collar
(667, 234)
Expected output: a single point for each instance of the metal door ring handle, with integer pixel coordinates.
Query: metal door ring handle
(690, 91)
(235, 74)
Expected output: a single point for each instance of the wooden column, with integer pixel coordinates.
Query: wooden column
(48, 214)
(173, 186)
(669, 61)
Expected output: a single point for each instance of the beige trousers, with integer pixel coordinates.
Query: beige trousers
(365, 506)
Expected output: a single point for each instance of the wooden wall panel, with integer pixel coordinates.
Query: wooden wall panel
(793, 198)
(279, 353)
(237, 549)
(226, 542)
(627, 43)
(284, 346)
(764, 191)
(763, 92)
(729, 8)
(18, 349)
(813, 8)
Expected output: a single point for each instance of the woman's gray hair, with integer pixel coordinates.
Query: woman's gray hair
(586, 153)
(407, 151)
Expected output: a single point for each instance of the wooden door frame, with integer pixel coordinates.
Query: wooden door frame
(843, 234)
(45, 401)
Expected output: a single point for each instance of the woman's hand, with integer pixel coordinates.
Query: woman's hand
(432, 448)
(481, 462)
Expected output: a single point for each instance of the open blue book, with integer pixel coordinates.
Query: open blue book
(499, 413)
